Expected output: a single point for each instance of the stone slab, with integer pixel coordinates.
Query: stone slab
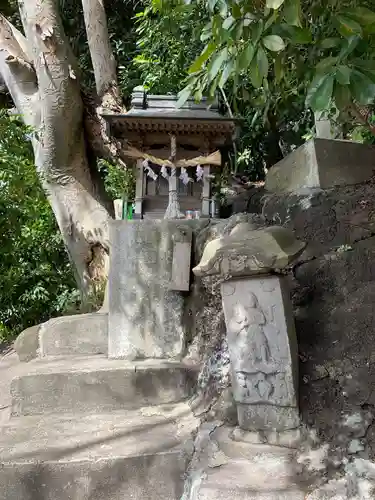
(322, 163)
(74, 335)
(145, 316)
(243, 480)
(140, 455)
(263, 351)
(251, 472)
(94, 383)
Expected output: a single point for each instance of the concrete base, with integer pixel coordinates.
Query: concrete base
(138, 455)
(96, 384)
(322, 163)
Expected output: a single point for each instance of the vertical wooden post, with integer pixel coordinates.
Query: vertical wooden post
(206, 192)
(139, 190)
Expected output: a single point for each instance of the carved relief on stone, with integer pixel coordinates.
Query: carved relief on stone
(258, 342)
(252, 362)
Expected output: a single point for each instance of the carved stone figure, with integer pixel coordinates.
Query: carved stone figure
(261, 346)
(252, 344)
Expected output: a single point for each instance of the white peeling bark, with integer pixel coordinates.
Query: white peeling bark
(54, 108)
(102, 58)
(17, 72)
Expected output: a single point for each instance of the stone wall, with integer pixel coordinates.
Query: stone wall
(333, 291)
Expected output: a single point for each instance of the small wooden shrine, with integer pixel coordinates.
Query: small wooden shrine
(175, 150)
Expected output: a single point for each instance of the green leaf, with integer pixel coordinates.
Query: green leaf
(319, 92)
(295, 34)
(362, 87)
(184, 95)
(274, 43)
(257, 32)
(362, 15)
(228, 68)
(228, 22)
(274, 4)
(326, 65)
(248, 19)
(330, 43)
(212, 4)
(254, 73)
(272, 18)
(349, 45)
(367, 65)
(292, 12)
(348, 27)
(262, 62)
(342, 96)
(238, 31)
(246, 56)
(216, 63)
(343, 75)
(278, 67)
(236, 10)
(206, 53)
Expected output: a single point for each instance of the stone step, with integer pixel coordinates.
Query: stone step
(140, 454)
(97, 384)
(251, 472)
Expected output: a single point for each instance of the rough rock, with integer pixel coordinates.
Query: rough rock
(27, 343)
(333, 292)
(74, 335)
(248, 251)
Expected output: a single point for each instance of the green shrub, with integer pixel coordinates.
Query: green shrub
(36, 277)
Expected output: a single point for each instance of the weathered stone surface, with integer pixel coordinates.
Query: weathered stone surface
(65, 336)
(333, 294)
(145, 316)
(247, 251)
(288, 439)
(96, 384)
(27, 343)
(263, 352)
(74, 335)
(248, 472)
(138, 455)
(322, 163)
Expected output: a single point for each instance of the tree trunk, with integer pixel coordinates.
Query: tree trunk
(40, 73)
(102, 58)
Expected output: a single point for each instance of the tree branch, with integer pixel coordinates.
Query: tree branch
(16, 68)
(362, 115)
(102, 58)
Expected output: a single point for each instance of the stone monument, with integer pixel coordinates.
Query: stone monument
(150, 267)
(259, 321)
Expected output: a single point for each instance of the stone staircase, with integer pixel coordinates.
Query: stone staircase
(86, 427)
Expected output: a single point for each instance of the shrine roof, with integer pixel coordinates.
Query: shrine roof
(160, 113)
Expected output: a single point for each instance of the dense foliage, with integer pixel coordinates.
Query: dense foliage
(36, 277)
(325, 48)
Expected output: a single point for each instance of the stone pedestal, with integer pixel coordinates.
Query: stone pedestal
(263, 352)
(145, 313)
(322, 164)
